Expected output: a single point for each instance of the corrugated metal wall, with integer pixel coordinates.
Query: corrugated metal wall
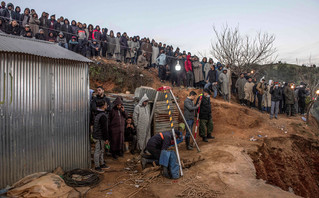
(43, 115)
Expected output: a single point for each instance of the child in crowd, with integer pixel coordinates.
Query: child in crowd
(130, 136)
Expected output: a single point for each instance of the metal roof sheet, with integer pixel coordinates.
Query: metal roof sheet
(10, 43)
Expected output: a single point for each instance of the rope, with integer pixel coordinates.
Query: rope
(169, 110)
(81, 178)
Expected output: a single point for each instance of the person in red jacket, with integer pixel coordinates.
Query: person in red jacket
(189, 72)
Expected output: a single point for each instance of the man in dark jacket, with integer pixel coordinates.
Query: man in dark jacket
(302, 94)
(13, 28)
(205, 116)
(100, 135)
(276, 95)
(95, 48)
(67, 30)
(53, 24)
(104, 41)
(9, 13)
(189, 113)
(159, 142)
(124, 46)
(211, 80)
(40, 35)
(100, 96)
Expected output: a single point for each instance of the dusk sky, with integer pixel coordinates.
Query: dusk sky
(188, 24)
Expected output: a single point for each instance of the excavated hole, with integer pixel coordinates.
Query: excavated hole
(289, 163)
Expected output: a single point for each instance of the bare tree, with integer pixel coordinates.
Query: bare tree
(231, 48)
(310, 76)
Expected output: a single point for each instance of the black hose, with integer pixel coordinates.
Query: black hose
(91, 178)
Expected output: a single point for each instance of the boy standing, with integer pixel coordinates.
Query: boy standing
(100, 136)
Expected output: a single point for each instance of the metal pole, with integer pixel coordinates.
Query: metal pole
(151, 118)
(180, 111)
(173, 131)
(177, 152)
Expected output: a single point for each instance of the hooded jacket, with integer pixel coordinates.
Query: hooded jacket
(161, 60)
(123, 43)
(188, 64)
(117, 126)
(111, 43)
(141, 117)
(240, 84)
(34, 24)
(205, 111)
(97, 35)
(198, 72)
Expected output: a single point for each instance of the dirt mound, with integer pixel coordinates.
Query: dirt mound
(290, 163)
(118, 77)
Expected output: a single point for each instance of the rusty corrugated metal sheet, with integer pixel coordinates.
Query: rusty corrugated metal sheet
(151, 93)
(161, 118)
(17, 44)
(44, 121)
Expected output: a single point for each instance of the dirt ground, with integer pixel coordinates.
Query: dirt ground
(282, 161)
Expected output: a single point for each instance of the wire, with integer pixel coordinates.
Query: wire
(87, 178)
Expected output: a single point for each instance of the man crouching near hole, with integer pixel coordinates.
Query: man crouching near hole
(155, 145)
(100, 136)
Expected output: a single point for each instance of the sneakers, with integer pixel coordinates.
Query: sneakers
(104, 166)
(99, 170)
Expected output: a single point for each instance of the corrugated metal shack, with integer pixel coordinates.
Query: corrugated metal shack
(161, 121)
(44, 104)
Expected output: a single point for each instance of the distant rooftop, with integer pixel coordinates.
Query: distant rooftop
(17, 44)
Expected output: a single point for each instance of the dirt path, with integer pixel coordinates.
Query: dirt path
(228, 169)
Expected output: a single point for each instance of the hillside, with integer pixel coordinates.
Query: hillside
(234, 166)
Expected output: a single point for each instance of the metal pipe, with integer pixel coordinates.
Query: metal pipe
(177, 153)
(180, 111)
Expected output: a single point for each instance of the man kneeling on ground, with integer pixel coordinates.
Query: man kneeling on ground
(155, 145)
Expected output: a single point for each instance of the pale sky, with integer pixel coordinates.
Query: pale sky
(188, 24)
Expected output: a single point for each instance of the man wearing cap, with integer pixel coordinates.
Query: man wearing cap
(205, 116)
(189, 113)
(26, 32)
(260, 92)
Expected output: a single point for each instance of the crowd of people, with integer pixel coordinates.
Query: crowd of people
(93, 41)
(272, 97)
(112, 128)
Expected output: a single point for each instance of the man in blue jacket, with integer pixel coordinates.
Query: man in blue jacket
(161, 61)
